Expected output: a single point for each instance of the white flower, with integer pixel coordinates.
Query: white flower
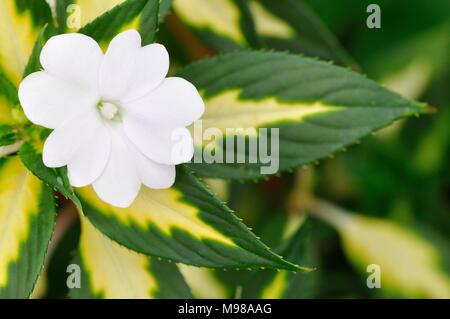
(117, 119)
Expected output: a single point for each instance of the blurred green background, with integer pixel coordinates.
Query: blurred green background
(397, 179)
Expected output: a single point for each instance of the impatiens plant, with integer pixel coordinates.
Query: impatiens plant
(94, 118)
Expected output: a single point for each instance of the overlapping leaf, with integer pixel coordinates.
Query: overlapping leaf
(111, 271)
(121, 17)
(27, 216)
(227, 25)
(265, 284)
(318, 108)
(270, 284)
(73, 15)
(298, 29)
(218, 22)
(185, 223)
(102, 20)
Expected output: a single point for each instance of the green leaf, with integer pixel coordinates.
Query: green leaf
(149, 22)
(269, 284)
(8, 92)
(31, 156)
(318, 109)
(292, 25)
(413, 263)
(247, 24)
(91, 10)
(228, 25)
(111, 271)
(296, 247)
(8, 135)
(121, 17)
(27, 217)
(185, 223)
(34, 63)
(164, 9)
(8, 100)
(20, 24)
(8, 107)
(216, 22)
(61, 10)
(62, 254)
(72, 15)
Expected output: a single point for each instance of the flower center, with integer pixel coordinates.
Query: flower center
(108, 110)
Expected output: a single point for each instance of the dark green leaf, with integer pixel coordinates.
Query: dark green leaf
(7, 135)
(109, 270)
(34, 63)
(149, 22)
(105, 27)
(280, 285)
(27, 218)
(185, 223)
(311, 37)
(318, 109)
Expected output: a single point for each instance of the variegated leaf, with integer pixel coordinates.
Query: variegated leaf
(306, 109)
(269, 284)
(292, 25)
(407, 261)
(104, 19)
(185, 223)
(227, 25)
(218, 22)
(111, 271)
(27, 217)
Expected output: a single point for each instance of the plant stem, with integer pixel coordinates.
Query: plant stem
(10, 149)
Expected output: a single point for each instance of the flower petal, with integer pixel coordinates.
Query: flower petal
(119, 183)
(90, 159)
(129, 71)
(75, 58)
(64, 142)
(175, 101)
(164, 145)
(48, 101)
(152, 174)
(152, 66)
(118, 63)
